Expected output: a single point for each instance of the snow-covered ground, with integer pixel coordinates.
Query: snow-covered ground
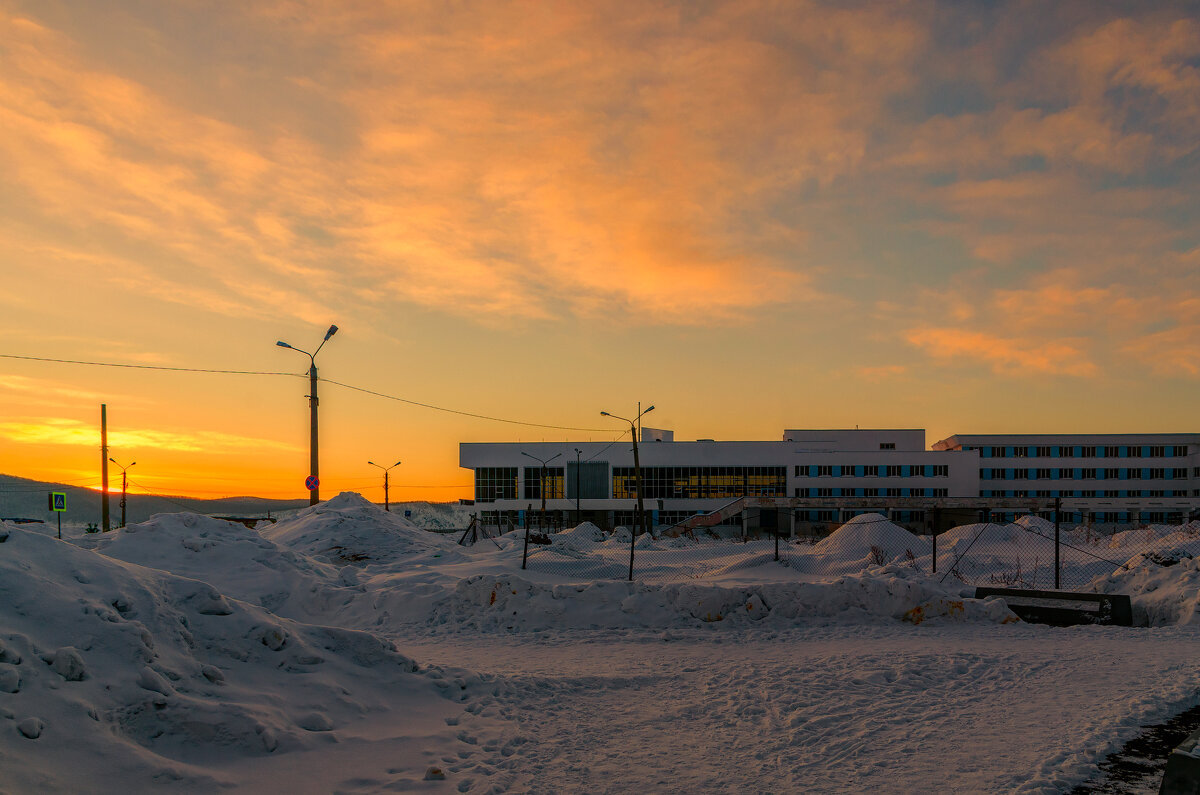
(345, 649)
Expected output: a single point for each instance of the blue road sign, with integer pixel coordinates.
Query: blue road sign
(58, 501)
(311, 482)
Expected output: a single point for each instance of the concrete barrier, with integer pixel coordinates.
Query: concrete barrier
(1182, 776)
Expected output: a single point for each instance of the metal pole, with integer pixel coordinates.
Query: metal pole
(59, 515)
(314, 466)
(104, 517)
(937, 515)
(1057, 515)
(386, 504)
(776, 535)
(124, 482)
(637, 478)
(578, 513)
(525, 554)
(542, 518)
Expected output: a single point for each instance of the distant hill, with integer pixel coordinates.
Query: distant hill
(27, 499)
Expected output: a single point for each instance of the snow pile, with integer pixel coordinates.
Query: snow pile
(238, 561)
(865, 540)
(349, 529)
(1163, 585)
(498, 603)
(583, 538)
(111, 672)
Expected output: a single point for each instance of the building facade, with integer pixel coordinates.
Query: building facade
(596, 481)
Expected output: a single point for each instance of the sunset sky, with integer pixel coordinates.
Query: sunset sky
(966, 217)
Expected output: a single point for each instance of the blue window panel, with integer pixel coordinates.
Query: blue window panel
(1078, 451)
(812, 470)
(1077, 473)
(987, 474)
(1145, 451)
(985, 452)
(1123, 451)
(1145, 473)
(1008, 451)
(837, 471)
(858, 471)
(858, 492)
(1054, 474)
(1099, 474)
(905, 470)
(1169, 474)
(1008, 493)
(837, 492)
(1169, 451)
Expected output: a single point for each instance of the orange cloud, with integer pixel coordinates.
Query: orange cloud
(64, 431)
(1006, 356)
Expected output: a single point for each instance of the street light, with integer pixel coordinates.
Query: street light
(385, 481)
(637, 478)
(542, 488)
(124, 483)
(314, 495)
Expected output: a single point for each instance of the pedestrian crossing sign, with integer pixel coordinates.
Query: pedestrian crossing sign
(58, 501)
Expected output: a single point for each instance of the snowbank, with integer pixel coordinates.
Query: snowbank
(118, 677)
(349, 529)
(865, 540)
(1163, 585)
(238, 561)
(512, 603)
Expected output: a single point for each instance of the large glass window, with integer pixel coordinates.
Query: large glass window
(495, 483)
(533, 483)
(701, 482)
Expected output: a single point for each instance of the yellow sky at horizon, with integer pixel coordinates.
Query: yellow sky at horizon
(755, 216)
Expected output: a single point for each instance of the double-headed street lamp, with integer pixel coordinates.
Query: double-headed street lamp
(124, 484)
(542, 488)
(314, 477)
(385, 480)
(637, 478)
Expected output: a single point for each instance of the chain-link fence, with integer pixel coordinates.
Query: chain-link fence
(1027, 552)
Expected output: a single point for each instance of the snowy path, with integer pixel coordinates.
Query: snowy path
(894, 708)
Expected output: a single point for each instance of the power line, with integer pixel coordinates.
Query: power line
(147, 366)
(298, 375)
(462, 413)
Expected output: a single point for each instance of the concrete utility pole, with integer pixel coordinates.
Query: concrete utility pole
(124, 484)
(314, 465)
(634, 424)
(104, 520)
(578, 465)
(385, 481)
(542, 486)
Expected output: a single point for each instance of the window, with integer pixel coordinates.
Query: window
(1089, 452)
(941, 470)
(1135, 474)
(533, 483)
(1066, 473)
(1042, 493)
(1157, 474)
(1020, 452)
(1158, 452)
(1112, 451)
(701, 482)
(887, 445)
(1179, 472)
(847, 470)
(1112, 474)
(999, 452)
(800, 474)
(1043, 474)
(1180, 450)
(824, 492)
(1156, 492)
(893, 492)
(870, 492)
(1111, 493)
(940, 492)
(1021, 474)
(1089, 474)
(495, 483)
(1066, 452)
(892, 471)
(825, 471)
(1089, 492)
(1043, 452)
(1020, 493)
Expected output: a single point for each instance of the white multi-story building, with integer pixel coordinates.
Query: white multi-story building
(681, 479)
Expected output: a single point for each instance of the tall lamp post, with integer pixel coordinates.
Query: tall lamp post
(386, 506)
(124, 484)
(542, 485)
(637, 478)
(578, 513)
(314, 495)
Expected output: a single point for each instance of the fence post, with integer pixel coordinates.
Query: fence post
(937, 515)
(525, 554)
(777, 541)
(632, 538)
(1057, 515)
